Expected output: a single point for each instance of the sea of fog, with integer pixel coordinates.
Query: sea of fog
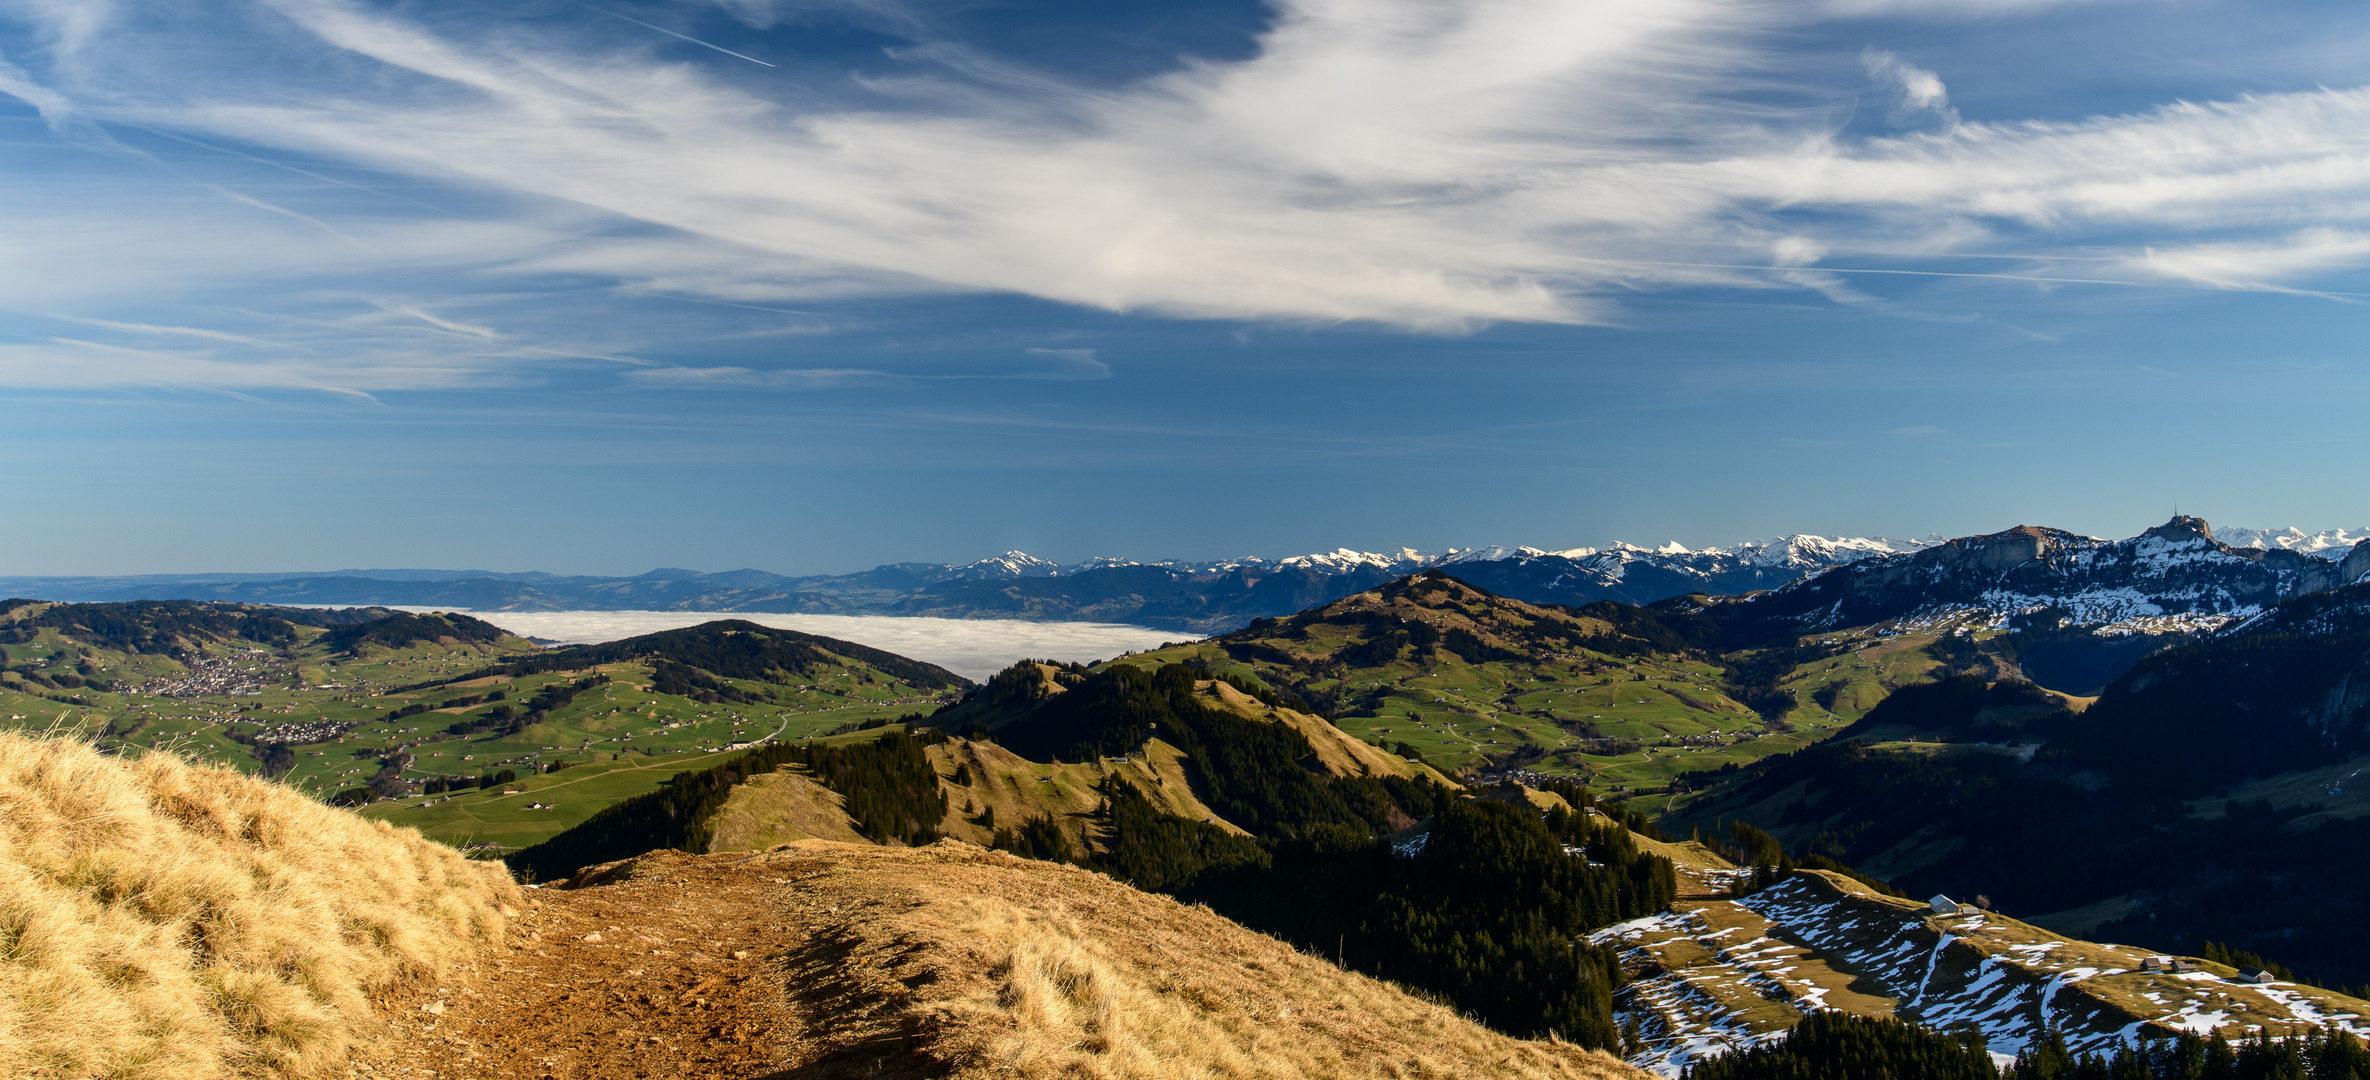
(972, 648)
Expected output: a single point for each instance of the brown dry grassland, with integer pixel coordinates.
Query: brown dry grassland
(159, 919)
(821, 959)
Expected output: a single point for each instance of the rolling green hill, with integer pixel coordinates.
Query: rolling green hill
(393, 704)
(1625, 697)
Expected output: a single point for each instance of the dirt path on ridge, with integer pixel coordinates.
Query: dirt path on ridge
(676, 975)
(818, 960)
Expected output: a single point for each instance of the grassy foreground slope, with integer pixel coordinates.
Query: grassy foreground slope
(827, 959)
(164, 920)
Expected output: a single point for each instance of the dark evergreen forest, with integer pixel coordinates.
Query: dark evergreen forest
(891, 790)
(1842, 1046)
(732, 649)
(404, 629)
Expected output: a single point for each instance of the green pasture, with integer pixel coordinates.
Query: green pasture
(617, 739)
(1670, 710)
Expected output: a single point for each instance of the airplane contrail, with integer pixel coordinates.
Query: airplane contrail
(670, 33)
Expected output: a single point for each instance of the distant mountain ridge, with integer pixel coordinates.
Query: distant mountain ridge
(1192, 596)
(2328, 543)
(2176, 577)
(2077, 610)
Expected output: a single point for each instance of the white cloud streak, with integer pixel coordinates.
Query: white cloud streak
(1074, 365)
(1954, 10)
(72, 363)
(2266, 264)
(1428, 165)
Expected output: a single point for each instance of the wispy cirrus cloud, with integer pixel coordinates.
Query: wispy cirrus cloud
(168, 331)
(726, 377)
(1428, 166)
(2274, 263)
(72, 363)
(1951, 9)
(1071, 365)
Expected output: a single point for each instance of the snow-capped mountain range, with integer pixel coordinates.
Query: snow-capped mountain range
(1214, 596)
(1799, 552)
(2088, 606)
(2328, 543)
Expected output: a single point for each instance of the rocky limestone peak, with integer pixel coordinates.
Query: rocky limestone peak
(2000, 551)
(2182, 527)
(2357, 564)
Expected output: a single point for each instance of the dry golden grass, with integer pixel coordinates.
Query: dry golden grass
(777, 808)
(1011, 968)
(159, 919)
(1338, 752)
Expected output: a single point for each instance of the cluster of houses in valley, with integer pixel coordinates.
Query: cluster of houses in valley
(297, 733)
(241, 673)
(1526, 777)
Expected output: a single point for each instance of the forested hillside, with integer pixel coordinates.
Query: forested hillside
(1487, 908)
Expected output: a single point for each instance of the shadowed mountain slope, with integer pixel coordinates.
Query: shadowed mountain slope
(2210, 793)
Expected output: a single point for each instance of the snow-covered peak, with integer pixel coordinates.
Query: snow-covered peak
(2328, 543)
(1805, 550)
(1493, 553)
(1220, 566)
(1344, 560)
(1799, 552)
(1011, 564)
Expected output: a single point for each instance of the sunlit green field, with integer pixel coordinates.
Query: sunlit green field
(611, 741)
(535, 807)
(1658, 716)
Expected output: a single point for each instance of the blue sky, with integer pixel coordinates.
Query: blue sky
(809, 286)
